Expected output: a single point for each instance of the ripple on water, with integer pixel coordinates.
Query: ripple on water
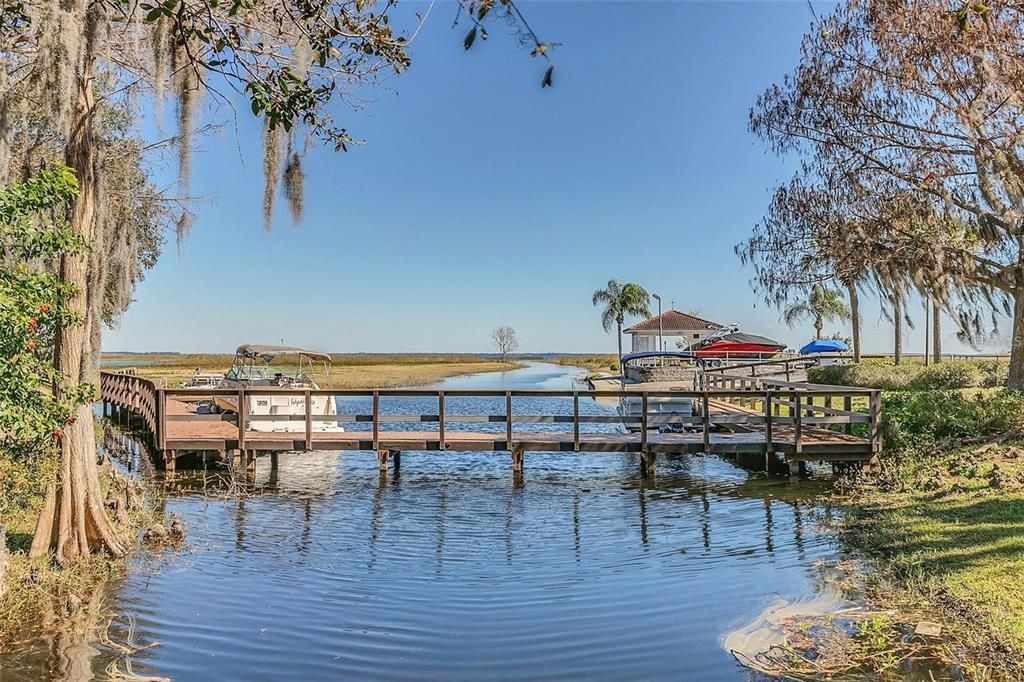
(455, 572)
(451, 571)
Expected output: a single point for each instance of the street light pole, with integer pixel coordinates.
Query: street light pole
(661, 344)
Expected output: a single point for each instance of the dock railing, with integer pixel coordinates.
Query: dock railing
(783, 413)
(128, 390)
(808, 404)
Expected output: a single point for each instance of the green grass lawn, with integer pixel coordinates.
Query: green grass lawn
(955, 533)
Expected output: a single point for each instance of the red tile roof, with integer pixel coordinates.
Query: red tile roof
(673, 320)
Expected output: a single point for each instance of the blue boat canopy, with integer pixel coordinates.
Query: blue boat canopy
(681, 354)
(824, 346)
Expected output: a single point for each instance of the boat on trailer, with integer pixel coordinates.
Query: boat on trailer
(253, 368)
(732, 343)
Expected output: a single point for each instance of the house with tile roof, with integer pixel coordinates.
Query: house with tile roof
(672, 326)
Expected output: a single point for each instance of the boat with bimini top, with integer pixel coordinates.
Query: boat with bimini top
(253, 368)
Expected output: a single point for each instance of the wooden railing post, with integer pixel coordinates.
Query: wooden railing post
(309, 420)
(768, 436)
(376, 419)
(848, 407)
(243, 410)
(706, 421)
(876, 421)
(440, 417)
(576, 421)
(643, 422)
(798, 425)
(508, 419)
(161, 420)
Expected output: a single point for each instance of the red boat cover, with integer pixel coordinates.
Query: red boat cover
(735, 344)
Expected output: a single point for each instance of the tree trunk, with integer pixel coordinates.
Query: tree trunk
(819, 325)
(618, 329)
(1015, 380)
(936, 333)
(74, 521)
(897, 337)
(854, 320)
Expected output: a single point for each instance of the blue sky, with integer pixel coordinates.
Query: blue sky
(480, 199)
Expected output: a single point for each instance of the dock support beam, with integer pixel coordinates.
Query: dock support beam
(517, 459)
(647, 461)
(797, 468)
(250, 463)
(384, 455)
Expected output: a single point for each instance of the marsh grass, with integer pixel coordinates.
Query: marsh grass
(348, 371)
(597, 364)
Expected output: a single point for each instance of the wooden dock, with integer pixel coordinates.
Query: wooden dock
(754, 415)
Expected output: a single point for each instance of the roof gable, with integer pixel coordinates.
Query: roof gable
(673, 320)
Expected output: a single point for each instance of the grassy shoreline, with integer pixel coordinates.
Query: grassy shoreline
(943, 527)
(346, 372)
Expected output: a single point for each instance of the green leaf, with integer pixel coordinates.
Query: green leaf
(155, 14)
(470, 37)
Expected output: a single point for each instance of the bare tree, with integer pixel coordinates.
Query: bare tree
(504, 339)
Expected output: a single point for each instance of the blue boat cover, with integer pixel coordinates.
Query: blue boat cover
(824, 346)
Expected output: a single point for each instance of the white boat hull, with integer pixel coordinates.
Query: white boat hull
(290, 411)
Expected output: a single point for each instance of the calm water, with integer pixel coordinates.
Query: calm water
(452, 570)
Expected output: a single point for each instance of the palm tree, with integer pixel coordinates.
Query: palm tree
(620, 300)
(822, 305)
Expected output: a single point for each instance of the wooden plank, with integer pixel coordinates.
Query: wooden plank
(508, 418)
(768, 422)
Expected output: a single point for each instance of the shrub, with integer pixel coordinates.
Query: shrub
(887, 377)
(993, 373)
(945, 375)
(915, 418)
(962, 374)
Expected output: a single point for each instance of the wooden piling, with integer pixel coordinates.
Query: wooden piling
(517, 459)
(647, 461)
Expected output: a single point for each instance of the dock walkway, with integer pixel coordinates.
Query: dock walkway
(800, 422)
